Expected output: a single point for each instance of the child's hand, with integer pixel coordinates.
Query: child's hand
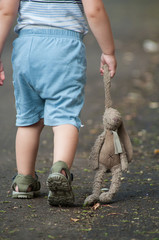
(2, 75)
(110, 60)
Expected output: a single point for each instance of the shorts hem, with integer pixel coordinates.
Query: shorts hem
(29, 121)
(54, 124)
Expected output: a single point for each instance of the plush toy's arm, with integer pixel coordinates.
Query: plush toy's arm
(124, 160)
(94, 155)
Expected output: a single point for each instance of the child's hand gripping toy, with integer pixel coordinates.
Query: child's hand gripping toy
(112, 151)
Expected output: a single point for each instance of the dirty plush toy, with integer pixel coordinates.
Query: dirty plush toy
(112, 150)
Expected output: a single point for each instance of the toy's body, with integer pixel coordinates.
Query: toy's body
(107, 155)
(112, 151)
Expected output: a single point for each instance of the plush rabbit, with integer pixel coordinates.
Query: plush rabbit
(111, 152)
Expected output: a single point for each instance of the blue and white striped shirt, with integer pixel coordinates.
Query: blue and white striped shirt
(66, 14)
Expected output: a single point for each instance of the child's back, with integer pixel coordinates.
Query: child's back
(66, 14)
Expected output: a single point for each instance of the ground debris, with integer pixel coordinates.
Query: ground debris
(156, 151)
(108, 205)
(109, 214)
(150, 46)
(75, 219)
(96, 206)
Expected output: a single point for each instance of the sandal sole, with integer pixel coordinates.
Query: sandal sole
(60, 190)
(25, 195)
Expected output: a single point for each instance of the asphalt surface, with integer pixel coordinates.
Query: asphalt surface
(134, 212)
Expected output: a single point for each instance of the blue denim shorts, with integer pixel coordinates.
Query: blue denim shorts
(49, 76)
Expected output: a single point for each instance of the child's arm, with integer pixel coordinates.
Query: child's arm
(8, 12)
(100, 26)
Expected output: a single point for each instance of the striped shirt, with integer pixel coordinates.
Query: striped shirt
(66, 14)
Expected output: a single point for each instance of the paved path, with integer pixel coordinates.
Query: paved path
(134, 212)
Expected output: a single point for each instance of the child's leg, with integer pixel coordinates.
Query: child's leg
(27, 143)
(65, 143)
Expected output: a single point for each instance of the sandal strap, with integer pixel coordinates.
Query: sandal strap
(24, 182)
(59, 166)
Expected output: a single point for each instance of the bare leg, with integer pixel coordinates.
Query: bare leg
(65, 143)
(27, 143)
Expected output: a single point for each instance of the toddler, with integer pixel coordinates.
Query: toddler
(49, 76)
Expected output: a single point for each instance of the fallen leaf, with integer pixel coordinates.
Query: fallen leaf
(29, 206)
(13, 231)
(150, 46)
(96, 206)
(51, 237)
(156, 151)
(2, 211)
(93, 131)
(86, 229)
(107, 205)
(153, 105)
(149, 179)
(74, 219)
(86, 170)
(31, 229)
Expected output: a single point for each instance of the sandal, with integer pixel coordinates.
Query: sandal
(24, 183)
(60, 186)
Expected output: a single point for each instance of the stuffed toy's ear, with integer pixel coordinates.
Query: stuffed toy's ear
(126, 141)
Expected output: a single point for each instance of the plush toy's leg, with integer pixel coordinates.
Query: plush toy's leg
(98, 179)
(115, 184)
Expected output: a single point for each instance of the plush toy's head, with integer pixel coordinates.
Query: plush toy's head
(111, 119)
